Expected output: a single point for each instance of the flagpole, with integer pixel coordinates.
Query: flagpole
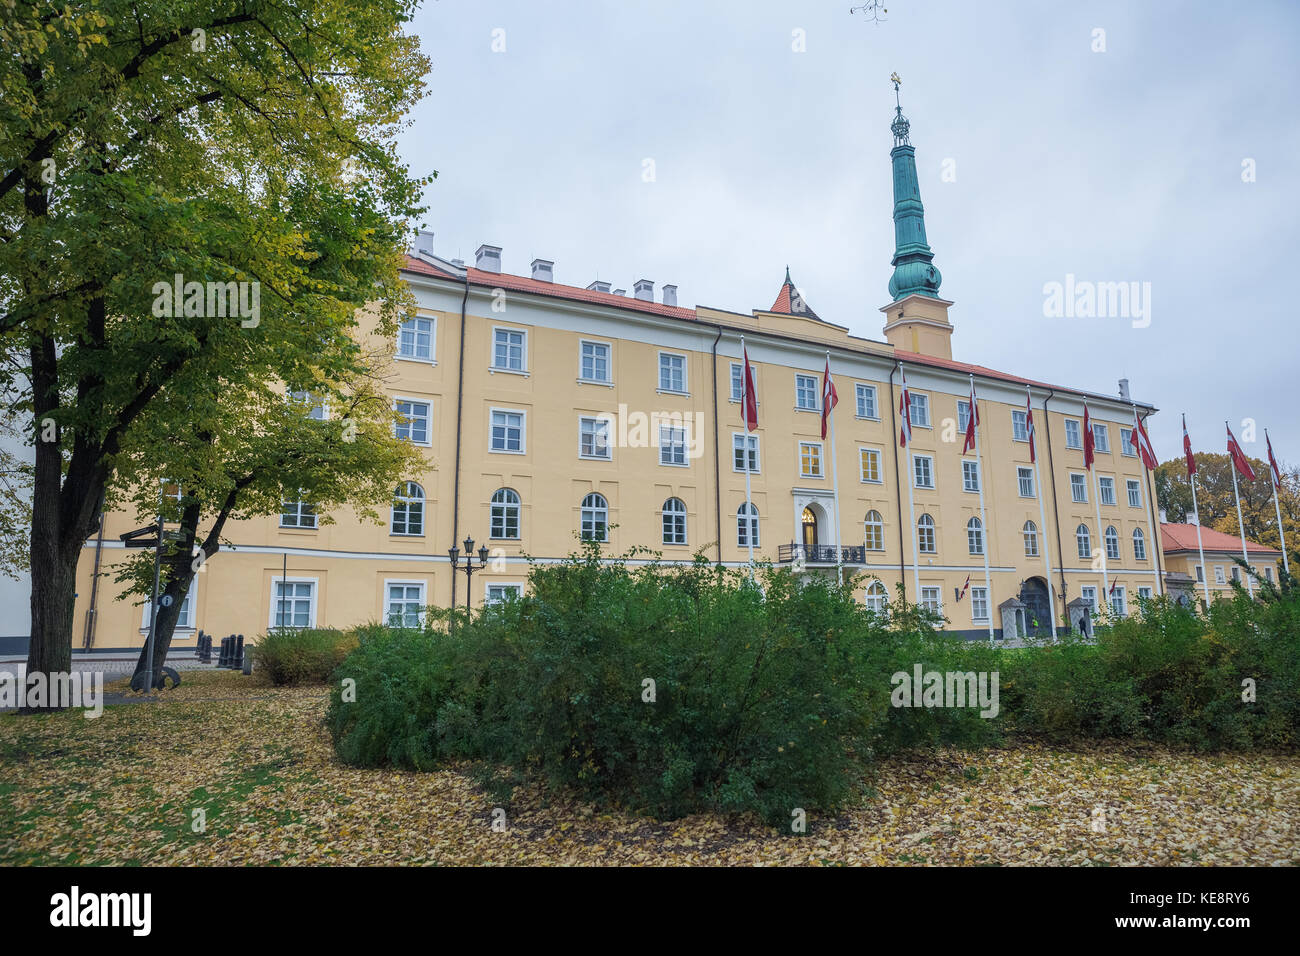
(1277, 507)
(835, 479)
(984, 523)
(744, 419)
(1205, 572)
(1151, 505)
(1241, 525)
(911, 501)
(1042, 517)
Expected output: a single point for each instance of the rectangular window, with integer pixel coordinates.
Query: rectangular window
(1134, 493)
(185, 620)
(672, 445)
(1078, 488)
(979, 604)
(595, 362)
(810, 459)
(294, 604)
(1025, 477)
(1236, 574)
(923, 471)
(501, 593)
(413, 422)
(870, 462)
(805, 392)
(737, 381)
(1218, 575)
(1072, 433)
(672, 372)
(1200, 574)
(508, 350)
(1117, 602)
(963, 416)
(970, 476)
(931, 600)
(1268, 574)
(744, 453)
(315, 409)
(507, 432)
(1126, 443)
(1019, 425)
(1089, 593)
(297, 514)
(415, 339)
(1100, 437)
(1107, 487)
(867, 401)
(405, 606)
(593, 438)
(920, 405)
(1144, 593)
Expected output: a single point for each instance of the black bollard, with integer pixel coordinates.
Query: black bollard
(237, 659)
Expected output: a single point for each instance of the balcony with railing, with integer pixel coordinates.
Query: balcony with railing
(821, 554)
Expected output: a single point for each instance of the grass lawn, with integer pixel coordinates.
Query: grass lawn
(257, 762)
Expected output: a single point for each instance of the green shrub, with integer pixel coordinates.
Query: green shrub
(305, 656)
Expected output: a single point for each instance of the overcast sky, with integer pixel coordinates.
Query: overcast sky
(1122, 165)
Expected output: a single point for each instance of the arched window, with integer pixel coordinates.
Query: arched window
(925, 535)
(747, 525)
(504, 514)
(1084, 540)
(877, 598)
(874, 532)
(1139, 545)
(975, 536)
(1112, 544)
(674, 515)
(408, 509)
(595, 518)
(1031, 539)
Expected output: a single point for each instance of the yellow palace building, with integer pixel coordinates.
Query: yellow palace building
(547, 411)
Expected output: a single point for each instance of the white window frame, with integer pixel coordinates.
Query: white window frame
(928, 591)
(1080, 485)
(1108, 539)
(517, 586)
(1019, 425)
(300, 502)
(1120, 597)
(517, 504)
(878, 525)
(736, 381)
(932, 530)
(979, 595)
(596, 421)
(523, 351)
(919, 401)
(1104, 482)
(423, 587)
(609, 362)
(1101, 439)
(1126, 443)
(307, 399)
(748, 446)
(424, 510)
(1089, 593)
(974, 527)
(806, 385)
(670, 445)
(1074, 440)
(1144, 592)
(1133, 485)
(878, 456)
(970, 475)
(659, 371)
(187, 605)
(1083, 542)
(428, 419)
(963, 415)
(682, 516)
(876, 597)
(929, 464)
(750, 524)
(432, 358)
(523, 430)
(821, 462)
(311, 610)
(1028, 536)
(596, 510)
(1025, 475)
(1139, 535)
(1219, 576)
(859, 389)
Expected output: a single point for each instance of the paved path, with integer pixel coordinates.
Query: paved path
(112, 666)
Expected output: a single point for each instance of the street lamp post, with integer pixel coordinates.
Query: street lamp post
(468, 567)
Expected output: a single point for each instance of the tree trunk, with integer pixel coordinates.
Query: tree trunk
(177, 575)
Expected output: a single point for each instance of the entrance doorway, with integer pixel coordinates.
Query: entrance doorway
(809, 531)
(1038, 607)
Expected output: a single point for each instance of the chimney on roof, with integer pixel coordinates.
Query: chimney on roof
(543, 270)
(487, 258)
(1123, 390)
(598, 286)
(1164, 516)
(644, 290)
(458, 262)
(620, 292)
(423, 242)
(670, 295)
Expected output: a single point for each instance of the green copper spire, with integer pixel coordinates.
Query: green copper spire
(914, 272)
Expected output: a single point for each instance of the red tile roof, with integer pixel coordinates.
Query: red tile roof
(1182, 537)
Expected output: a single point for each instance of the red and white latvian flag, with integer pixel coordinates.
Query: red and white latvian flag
(749, 407)
(905, 408)
(830, 397)
(972, 419)
(1113, 585)
(1089, 442)
(1272, 462)
(1239, 459)
(961, 591)
(1029, 429)
(1187, 450)
(1142, 442)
